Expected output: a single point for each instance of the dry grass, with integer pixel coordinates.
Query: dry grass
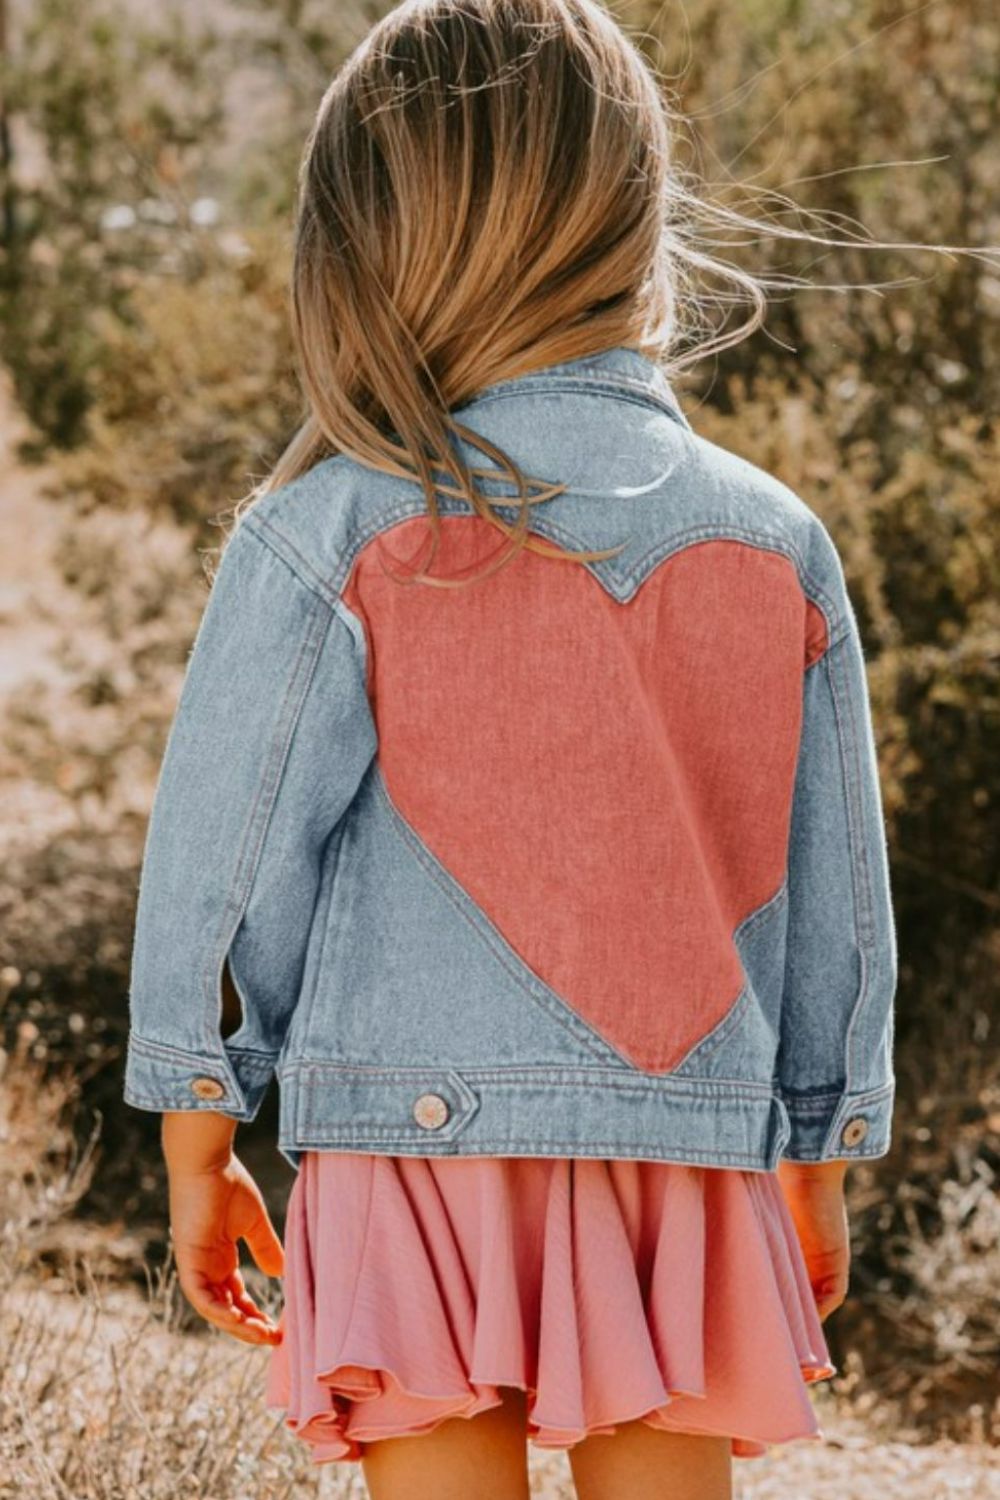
(102, 1393)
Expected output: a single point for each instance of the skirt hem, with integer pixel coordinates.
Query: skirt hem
(329, 1444)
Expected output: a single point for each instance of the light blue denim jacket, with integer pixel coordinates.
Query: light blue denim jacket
(426, 972)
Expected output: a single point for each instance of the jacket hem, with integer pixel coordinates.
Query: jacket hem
(541, 1110)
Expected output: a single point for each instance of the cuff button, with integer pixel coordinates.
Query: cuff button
(854, 1131)
(430, 1111)
(207, 1088)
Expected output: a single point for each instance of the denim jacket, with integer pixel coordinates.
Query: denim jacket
(579, 859)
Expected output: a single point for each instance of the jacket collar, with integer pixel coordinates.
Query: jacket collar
(621, 370)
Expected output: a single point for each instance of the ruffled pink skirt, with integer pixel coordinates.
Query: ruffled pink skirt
(415, 1287)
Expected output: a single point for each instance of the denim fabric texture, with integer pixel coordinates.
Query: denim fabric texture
(582, 859)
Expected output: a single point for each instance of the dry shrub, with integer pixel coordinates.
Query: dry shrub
(104, 1394)
(921, 550)
(42, 1175)
(196, 391)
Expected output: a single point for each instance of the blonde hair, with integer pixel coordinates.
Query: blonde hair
(487, 189)
(481, 194)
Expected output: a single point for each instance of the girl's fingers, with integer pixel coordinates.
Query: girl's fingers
(218, 1306)
(243, 1300)
(241, 1312)
(241, 1297)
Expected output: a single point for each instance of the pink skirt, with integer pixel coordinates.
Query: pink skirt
(415, 1287)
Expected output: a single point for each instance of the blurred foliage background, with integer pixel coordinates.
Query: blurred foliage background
(148, 164)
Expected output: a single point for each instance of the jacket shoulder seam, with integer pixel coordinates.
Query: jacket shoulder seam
(280, 545)
(304, 572)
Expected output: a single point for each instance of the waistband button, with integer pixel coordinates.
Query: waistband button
(207, 1088)
(430, 1111)
(854, 1131)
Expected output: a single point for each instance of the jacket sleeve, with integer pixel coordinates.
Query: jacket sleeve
(835, 1059)
(271, 735)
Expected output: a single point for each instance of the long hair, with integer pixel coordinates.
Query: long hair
(483, 192)
(488, 189)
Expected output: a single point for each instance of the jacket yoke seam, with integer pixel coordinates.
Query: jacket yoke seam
(764, 541)
(331, 589)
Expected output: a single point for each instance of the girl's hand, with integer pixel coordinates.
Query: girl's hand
(815, 1195)
(214, 1202)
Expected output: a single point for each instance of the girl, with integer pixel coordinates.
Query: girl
(521, 815)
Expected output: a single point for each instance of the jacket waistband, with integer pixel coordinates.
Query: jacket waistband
(528, 1111)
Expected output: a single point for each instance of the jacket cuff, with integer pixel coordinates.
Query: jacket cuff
(838, 1126)
(233, 1082)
